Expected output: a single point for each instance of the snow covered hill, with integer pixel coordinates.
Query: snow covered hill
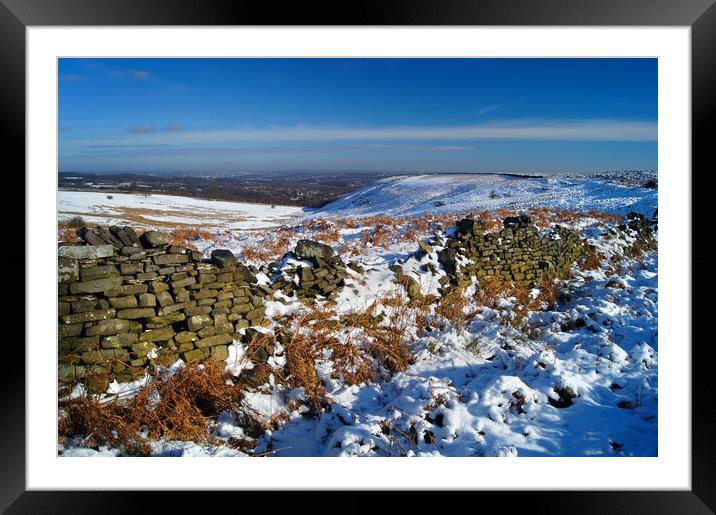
(443, 193)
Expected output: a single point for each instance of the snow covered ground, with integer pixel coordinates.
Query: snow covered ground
(580, 378)
(165, 211)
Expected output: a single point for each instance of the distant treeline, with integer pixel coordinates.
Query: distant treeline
(287, 189)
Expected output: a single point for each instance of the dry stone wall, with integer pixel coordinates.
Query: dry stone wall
(317, 273)
(120, 305)
(518, 252)
(125, 300)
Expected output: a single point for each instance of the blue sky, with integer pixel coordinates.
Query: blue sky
(445, 115)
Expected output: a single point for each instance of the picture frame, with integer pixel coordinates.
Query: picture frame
(700, 15)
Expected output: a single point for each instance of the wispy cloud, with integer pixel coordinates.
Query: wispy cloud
(274, 149)
(149, 128)
(173, 127)
(144, 129)
(130, 74)
(488, 109)
(536, 130)
(105, 73)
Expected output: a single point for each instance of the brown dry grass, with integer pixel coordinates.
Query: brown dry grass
(313, 336)
(349, 223)
(451, 306)
(378, 237)
(258, 342)
(328, 236)
(316, 225)
(272, 247)
(301, 355)
(385, 342)
(350, 364)
(371, 346)
(491, 289)
(186, 236)
(178, 407)
(67, 233)
(408, 235)
(590, 258)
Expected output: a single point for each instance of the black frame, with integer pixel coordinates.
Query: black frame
(700, 15)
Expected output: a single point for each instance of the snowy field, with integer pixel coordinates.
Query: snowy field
(167, 211)
(484, 387)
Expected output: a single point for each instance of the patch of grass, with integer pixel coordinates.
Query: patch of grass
(76, 222)
(378, 237)
(186, 236)
(179, 407)
(272, 247)
(451, 306)
(67, 234)
(590, 258)
(328, 236)
(301, 355)
(491, 289)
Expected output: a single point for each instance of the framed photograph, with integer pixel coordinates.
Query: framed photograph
(419, 248)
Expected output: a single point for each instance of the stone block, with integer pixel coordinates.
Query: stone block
(77, 345)
(206, 331)
(164, 298)
(142, 348)
(126, 289)
(196, 355)
(155, 335)
(242, 324)
(146, 276)
(184, 347)
(118, 341)
(98, 272)
(151, 239)
(241, 308)
(131, 268)
(96, 285)
(225, 296)
(128, 301)
(67, 270)
(196, 322)
(158, 286)
(223, 258)
(135, 313)
(220, 353)
(85, 251)
(89, 316)
(219, 339)
(147, 300)
(107, 327)
(205, 294)
(183, 283)
(175, 249)
(65, 330)
(172, 308)
(170, 259)
(105, 355)
(198, 310)
(186, 337)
